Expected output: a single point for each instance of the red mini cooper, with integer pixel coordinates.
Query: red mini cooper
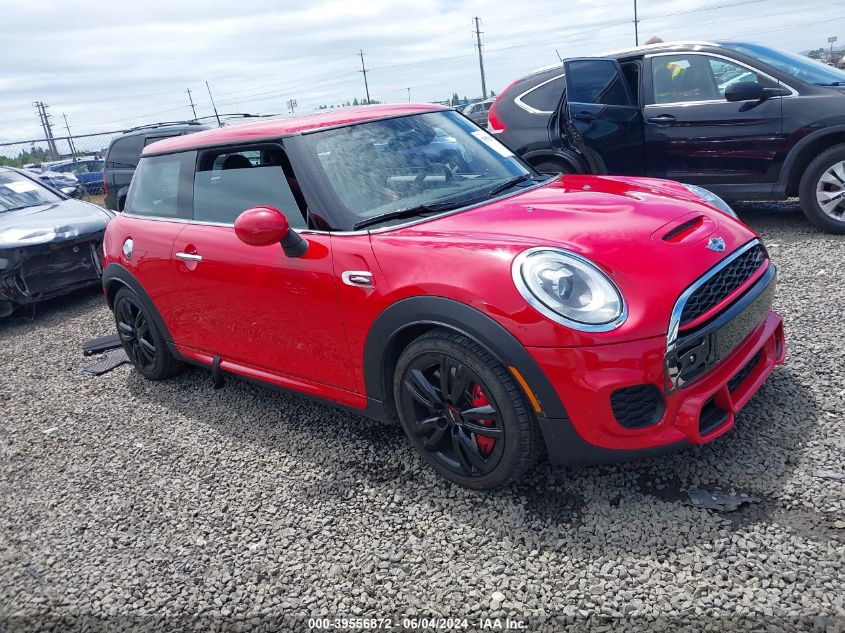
(401, 263)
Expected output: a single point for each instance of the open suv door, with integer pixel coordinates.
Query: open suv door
(600, 117)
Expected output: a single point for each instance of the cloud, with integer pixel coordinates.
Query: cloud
(122, 64)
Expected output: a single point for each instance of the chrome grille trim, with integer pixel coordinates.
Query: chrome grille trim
(678, 309)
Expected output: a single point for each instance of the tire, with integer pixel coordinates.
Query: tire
(142, 341)
(823, 179)
(451, 433)
(552, 167)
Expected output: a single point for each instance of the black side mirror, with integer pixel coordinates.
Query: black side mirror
(121, 198)
(746, 91)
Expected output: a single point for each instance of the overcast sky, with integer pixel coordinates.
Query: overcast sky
(112, 65)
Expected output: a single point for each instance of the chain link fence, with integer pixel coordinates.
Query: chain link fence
(72, 164)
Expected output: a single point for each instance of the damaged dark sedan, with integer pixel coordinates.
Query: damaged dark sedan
(50, 244)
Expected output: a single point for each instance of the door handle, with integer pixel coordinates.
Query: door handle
(584, 116)
(189, 257)
(663, 119)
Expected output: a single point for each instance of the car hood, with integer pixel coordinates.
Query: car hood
(650, 236)
(608, 218)
(56, 222)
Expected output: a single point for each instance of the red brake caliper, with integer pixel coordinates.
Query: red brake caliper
(479, 399)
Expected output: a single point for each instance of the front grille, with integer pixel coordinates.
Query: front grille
(638, 406)
(723, 283)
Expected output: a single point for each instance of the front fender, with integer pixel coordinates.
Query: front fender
(116, 276)
(416, 312)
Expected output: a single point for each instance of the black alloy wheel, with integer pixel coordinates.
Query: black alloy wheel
(447, 420)
(141, 338)
(135, 334)
(463, 412)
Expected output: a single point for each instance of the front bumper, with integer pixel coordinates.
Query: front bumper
(585, 378)
(36, 273)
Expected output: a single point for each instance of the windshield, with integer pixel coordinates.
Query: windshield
(434, 160)
(797, 66)
(18, 192)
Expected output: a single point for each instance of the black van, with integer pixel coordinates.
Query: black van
(125, 150)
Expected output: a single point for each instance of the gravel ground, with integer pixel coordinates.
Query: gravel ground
(128, 504)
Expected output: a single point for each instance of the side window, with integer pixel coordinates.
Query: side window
(546, 96)
(228, 182)
(157, 184)
(125, 152)
(595, 81)
(726, 73)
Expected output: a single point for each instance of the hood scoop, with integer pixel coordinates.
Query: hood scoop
(686, 230)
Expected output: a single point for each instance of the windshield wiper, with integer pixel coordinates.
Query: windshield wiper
(833, 83)
(410, 212)
(509, 183)
(26, 206)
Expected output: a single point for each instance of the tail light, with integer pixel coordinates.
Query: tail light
(495, 125)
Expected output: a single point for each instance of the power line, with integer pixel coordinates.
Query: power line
(364, 70)
(698, 10)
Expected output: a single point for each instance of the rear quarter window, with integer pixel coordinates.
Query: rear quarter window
(161, 186)
(545, 97)
(125, 152)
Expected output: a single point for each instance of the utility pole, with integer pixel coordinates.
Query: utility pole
(292, 104)
(831, 40)
(636, 26)
(364, 70)
(219, 124)
(191, 99)
(409, 95)
(69, 138)
(480, 60)
(48, 130)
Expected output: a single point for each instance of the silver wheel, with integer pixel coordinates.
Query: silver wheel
(830, 191)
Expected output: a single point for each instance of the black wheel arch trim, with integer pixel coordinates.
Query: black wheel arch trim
(116, 274)
(571, 158)
(786, 174)
(458, 317)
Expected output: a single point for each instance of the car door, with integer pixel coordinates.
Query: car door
(601, 116)
(253, 305)
(693, 134)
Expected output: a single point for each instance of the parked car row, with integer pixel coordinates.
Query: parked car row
(744, 120)
(76, 177)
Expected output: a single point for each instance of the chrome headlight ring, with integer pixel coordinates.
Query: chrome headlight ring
(569, 289)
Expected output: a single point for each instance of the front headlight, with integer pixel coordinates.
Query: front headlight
(568, 289)
(712, 199)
